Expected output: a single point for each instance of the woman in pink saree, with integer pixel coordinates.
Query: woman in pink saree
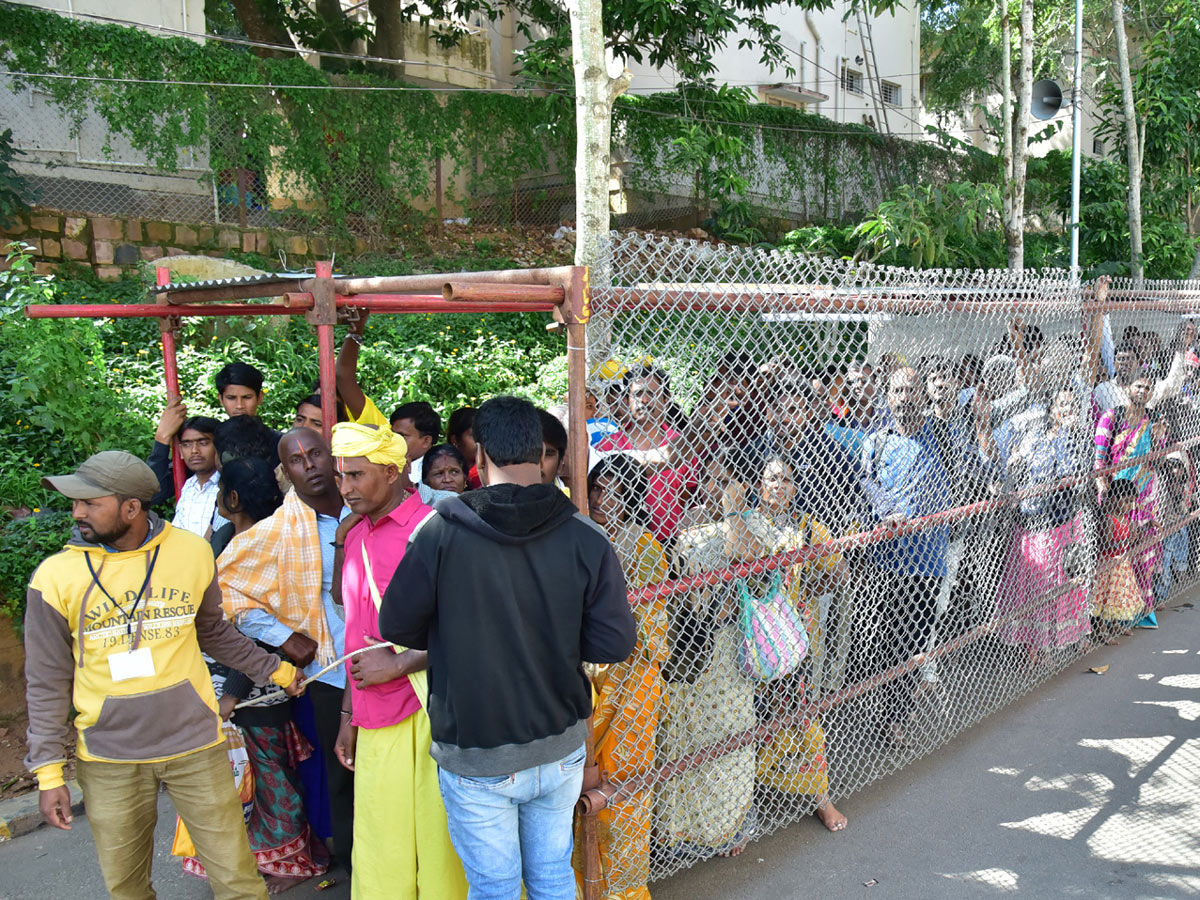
(1123, 434)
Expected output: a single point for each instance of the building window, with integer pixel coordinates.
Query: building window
(1097, 146)
(852, 81)
(891, 93)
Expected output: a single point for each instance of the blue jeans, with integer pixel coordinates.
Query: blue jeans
(1174, 562)
(512, 827)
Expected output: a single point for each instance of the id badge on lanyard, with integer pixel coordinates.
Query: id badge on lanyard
(136, 662)
(131, 664)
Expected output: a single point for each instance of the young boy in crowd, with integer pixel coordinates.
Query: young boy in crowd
(420, 426)
(196, 509)
(239, 390)
(554, 448)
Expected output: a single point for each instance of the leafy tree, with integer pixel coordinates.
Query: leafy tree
(1163, 88)
(320, 25)
(683, 34)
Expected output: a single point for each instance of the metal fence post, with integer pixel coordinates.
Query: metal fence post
(167, 326)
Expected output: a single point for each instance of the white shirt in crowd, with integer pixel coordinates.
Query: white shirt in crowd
(196, 510)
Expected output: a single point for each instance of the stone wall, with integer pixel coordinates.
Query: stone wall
(111, 246)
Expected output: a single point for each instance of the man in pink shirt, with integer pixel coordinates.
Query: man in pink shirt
(401, 845)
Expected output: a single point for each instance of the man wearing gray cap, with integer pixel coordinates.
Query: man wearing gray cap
(115, 625)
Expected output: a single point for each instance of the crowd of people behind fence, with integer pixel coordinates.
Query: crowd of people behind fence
(891, 507)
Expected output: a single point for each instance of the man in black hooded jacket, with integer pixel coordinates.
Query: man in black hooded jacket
(510, 590)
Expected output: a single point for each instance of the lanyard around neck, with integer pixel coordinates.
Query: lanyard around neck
(136, 600)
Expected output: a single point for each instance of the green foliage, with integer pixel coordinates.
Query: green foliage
(711, 138)
(952, 226)
(13, 187)
(74, 386)
(24, 543)
(961, 49)
(1166, 82)
(828, 240)
(684, 35)
(363, 156)
(1104, 225)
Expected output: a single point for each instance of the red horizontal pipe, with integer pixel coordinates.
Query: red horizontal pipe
(553, 275)
(154, 310)
(382, 303)
(426, 303)
(884, 532)
(811, 299)
(829, 300)
(483, 291)
(1174, 304)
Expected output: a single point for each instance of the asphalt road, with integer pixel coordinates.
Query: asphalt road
(1087, 788)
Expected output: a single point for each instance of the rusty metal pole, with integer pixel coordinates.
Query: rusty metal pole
(576, 309)
(323, 315)
(167, 326)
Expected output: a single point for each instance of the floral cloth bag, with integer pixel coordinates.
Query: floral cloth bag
(774, 639)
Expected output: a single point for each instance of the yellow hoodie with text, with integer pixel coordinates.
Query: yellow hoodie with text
(80, 628)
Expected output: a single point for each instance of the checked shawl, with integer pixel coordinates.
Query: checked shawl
(275, 566)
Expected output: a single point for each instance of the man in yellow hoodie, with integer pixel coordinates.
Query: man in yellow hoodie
(115, 626)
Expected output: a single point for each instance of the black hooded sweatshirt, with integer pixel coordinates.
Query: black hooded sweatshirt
(510, 590)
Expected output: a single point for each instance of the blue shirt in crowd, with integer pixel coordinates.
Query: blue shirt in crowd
(904, 476)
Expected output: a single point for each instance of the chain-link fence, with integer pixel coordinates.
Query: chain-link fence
(859, 509)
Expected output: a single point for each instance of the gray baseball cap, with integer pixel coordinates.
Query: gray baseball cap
(104, 474)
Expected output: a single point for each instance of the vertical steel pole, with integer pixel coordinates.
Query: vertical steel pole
(1076, 138)
(162, 275)
(323, 296)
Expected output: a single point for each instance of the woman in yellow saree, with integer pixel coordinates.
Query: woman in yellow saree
(629, 695)
(791, 760)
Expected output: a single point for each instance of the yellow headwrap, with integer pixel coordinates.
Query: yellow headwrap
(378, 445)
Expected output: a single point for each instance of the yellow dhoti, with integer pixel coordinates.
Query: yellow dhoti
(402, 849)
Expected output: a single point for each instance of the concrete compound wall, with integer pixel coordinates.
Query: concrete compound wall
(111, 246)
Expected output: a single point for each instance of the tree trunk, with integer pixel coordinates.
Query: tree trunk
(595, 92)
(1006, 122)
(330, 12)
(388, 39)
(1195, 273)
(1133, 149)
(259, 26)
(1018, 130)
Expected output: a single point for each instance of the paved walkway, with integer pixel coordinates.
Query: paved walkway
(1087, 788)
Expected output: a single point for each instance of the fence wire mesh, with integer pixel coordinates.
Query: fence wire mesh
(859, 509)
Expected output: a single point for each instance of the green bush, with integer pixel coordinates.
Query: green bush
(24, 543)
